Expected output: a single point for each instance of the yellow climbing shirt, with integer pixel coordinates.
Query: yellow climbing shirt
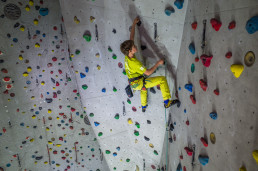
(133, 67)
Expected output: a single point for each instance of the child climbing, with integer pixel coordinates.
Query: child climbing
(135, 70)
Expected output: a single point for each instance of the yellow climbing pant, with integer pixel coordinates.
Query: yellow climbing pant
(255, 155)
(151, 82)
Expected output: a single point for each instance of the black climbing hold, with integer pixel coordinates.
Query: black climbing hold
(171, 127)
(148, 122)
(40, 108)
(58, 92)
(34, 127)
(1, 61)
(143, 47)
(170, 140)
(49, 100)
(58, 125)
(24, 142)
(152, 90)
(38, 67)
(8, 35)
(114, 31)
(16, 25)
(27, 47)
(2, 16)
(146, 138)
(139, 23)
(37, 7)
(53, 80)
(40, 137)
(39, 158)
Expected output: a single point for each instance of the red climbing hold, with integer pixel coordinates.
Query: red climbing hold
(203, 84)
(54, 95)
(153, 167)
(6, 92)
(188, 151)
(206, 60)
(184, 168)
(55, 152)
(216, 24)
(75, 91)
(228, 55)
(204, 142)
(57, 84)
(181, 157)
(72, 109)
(187, 123)
(4, 70)
(63, 158)
(60, 71)
(216, 92)
(194, 25)
(62, 151)
(196, 59)
(193, 99)
(55, 28)
(61, 138)
(232, 25)
(54, 59)
(6, 79)
(4, 130)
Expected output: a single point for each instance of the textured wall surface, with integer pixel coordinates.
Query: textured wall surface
(104, 72)
(40, 104)
(236, 105)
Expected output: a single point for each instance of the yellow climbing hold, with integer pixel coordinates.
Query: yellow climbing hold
(49, 111)
(54, 88)
(59, 145)
(135, 141)
(50, 149)
(64, 135)
(255, 155)
(42, 83)
(97, 55)
(45, 162)
(22, 28)
(27, 8)
(151, 145)
(31, 2)
(25, 74)
(37, 45)
(50, 142)
(137, 168)
(20, 58)
(39, 54)
(47, 128)
(242, 168)
(57, 118)
(92, 19)
(72, 55)
(76, 72)
(32, 97)
(34, 116)
(130, 121)
(98, 67)
(31, 140)
(57, 165)
(35, 162)
(43, 70)
(29, 69)
(237, 69)
(76, 20)
(36, 22)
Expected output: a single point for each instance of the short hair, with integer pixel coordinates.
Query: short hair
(126, 46)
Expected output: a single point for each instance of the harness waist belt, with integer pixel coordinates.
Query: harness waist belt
(135, 78)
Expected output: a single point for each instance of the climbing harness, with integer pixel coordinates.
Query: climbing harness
(137, 78)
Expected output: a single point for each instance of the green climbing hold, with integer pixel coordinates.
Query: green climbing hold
(108, 152)
(129, 101)
(127, 160)
(136, 133)
(70, 58)
(77, 52)
(87, 37)
(114, 56)
(114, 168)
(81, 116)
(109, 49)
(192, 68)
(84, 87)
(100, 134)
(155, 152)
(117, 116)
(137, 125)
(114, 89)
(91, 114)
(92, 149)
(124, 72)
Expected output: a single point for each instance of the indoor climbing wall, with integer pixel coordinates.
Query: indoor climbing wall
(216, 126)
(43, 124)
(131, 140)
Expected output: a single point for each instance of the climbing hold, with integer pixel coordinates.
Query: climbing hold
(187, 123)
(96, 123)
(192, 48)
(4, 70)
(194, 25)
(100, 134)
(216, 92)
(77, 52)
(192, 68)
(155, 152)
(206, 60)
(110, 49)
(87, 37)
(84, 87)
(203, 160)
(115, 154)
(213, 115)
(114, 56)
(255, 155)
(204, 142)
(127, 160)
(179, 167)
(249, 58)
(136, 133)
(134, 109)
(114, 89)
(98, 67)
(25, 74)
(212, 138)
(189, 87)
(232, 25)
(120, 65)
(216, 24)
(76, 20)
(92, 19)
(43, 11)
(252, 25)
(108, 152)
(169, 10)
(22, 28)
(146, 138)
(228, 55)
(196, 59)
(193, 99)
(153, 90)
(130, 121)
(36, 22)
(188, 151)
(203, 84)
(103, 90)
(82, 75)
(179, 4)
(117, 117)
(242, 168)
(237, 69)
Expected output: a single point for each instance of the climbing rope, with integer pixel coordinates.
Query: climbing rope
(166, 124)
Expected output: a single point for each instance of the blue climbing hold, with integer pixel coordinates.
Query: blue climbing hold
(15, 40)
(43, 11)
(37, 32)
(96, 123)
(189, 87)
(252, 25)
(8, 165)
(86, 69)
(114, 154)
(179, 167)
(82, 75)
(118, 148)
(192, 48)
(179, 88)
(169, 11)
(179, 4)
(203, 160)
(103, 90)
(185, 110)
(213, 115)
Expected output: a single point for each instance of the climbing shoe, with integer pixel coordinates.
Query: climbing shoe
(172, 102)
(144, 108)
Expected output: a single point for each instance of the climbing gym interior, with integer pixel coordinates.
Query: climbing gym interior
(64, 104)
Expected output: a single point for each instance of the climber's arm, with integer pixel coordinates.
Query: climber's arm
(151, 70)
(136, 20)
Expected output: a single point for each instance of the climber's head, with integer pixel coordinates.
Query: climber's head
(128, 48)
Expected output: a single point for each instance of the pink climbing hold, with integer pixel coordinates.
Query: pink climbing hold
(216, 24)
(206, 60)
(216, 92)
(193, 99)
(228, 55)
(153, 167)
(194, 25)
(188, 151)
(232, 25)
(204, 142)
(203, 84)
(187, 123)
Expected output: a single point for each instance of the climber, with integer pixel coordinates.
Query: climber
(135, 70)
